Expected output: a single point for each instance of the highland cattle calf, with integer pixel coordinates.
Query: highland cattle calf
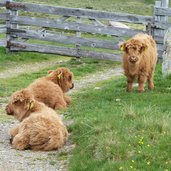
(40, 128)
(139, 60)
(51, 89)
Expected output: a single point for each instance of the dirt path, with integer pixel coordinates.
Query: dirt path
(28, 68)
(96, 77)
(13, 160)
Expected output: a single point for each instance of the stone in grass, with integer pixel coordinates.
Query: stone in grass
(97, 88)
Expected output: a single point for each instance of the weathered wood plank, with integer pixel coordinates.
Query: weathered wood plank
(21, 46)
(157, 18)
(3, 30)
(2, 4)
(161, 25)
(85, 13)
(160, 47)
(165, 4)
(73, 26)
(166, 63)
(4, 16)
(106, 44)
(159, 39)
(160, 54)
(162, 11)
(2, 26)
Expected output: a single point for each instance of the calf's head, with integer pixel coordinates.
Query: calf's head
(63, 77)
(20, 104)
(134, 50)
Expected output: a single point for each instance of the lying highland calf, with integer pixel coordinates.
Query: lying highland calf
(40, 127)
(139, 61)
(51, 89)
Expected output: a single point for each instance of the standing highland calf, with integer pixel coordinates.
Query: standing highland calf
(139, 60)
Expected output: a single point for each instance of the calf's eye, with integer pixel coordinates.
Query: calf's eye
(69, 78)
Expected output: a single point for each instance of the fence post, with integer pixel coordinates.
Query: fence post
(9, 25)
(157, 32)
(166, 64)
(78, 34)
(164, 4)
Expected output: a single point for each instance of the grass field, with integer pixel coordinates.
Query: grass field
(115, 130)
(8, 60)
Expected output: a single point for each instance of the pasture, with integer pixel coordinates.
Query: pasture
(109, 128)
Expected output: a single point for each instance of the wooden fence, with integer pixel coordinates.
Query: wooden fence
(74, 31)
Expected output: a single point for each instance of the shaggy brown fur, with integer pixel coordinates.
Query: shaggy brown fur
(40, 127)
(51, 89)
(139, 60)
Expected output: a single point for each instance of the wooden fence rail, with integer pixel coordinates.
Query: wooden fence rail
(74, 52)
(73, 26)
(31, 34)
(65, 22)
(162, 11)
(83, 13)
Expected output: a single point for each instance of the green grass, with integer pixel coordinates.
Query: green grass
(9, 60)
(116, 130)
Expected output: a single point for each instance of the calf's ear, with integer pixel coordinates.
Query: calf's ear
(143, 48)
(50, 71)
(59, 75)
(29, 104)
(123, 47)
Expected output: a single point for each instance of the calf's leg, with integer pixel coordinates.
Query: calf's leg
(141, 81)
(129, 83)
(150, 81)
(21, 141)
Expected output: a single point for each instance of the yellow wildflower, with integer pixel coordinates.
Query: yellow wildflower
(148, 163)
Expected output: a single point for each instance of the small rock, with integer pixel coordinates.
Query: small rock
(97, 88)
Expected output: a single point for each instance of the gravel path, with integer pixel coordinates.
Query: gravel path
(96, 77)
(28, 68)
(13, 160)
